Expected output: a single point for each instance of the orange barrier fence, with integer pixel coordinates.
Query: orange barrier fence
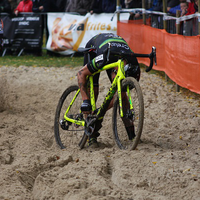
(177, 55)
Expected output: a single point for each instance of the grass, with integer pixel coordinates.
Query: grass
(41, 61)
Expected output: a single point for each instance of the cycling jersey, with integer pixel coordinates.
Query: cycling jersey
(100, 43)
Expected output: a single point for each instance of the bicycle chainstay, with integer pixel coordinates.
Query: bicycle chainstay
(90, 124)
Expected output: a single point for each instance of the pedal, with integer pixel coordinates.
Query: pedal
(63, 124)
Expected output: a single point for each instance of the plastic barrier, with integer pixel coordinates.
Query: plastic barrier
(178, 56)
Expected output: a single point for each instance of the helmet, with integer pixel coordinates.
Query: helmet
(132, 70)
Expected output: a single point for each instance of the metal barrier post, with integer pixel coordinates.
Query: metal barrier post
(178, 31)
(165, 11)
(144, 15)
(165, 24)
(118, 14)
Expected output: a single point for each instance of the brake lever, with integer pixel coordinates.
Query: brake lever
(154, 54)
(152, 57)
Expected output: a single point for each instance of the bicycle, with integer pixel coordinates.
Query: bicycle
(70, 122)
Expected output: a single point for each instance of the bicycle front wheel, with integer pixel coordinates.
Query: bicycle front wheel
(128, 129)
(68, 134)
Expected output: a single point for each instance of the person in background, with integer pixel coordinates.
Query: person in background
(45, 6)
(154, 5)
(105, 6)
(134, 4)
(183, 7)
(13, 4)
(79, 6)
(38, 6)
(192, 7)
(61, 5)
(109, 6)
(24, 6)
(96, 7)
(170, 4)
(191, 26)
(5, 6)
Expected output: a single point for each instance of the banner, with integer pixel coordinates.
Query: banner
(24, 31)
(177, 55)
(68, 32)
(1, 33)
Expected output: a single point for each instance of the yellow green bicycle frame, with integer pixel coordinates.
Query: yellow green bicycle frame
(115, 84)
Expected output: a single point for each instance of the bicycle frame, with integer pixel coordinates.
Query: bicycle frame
(116, 84)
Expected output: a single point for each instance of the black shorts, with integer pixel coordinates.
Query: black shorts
(96, 63)
(97, 57)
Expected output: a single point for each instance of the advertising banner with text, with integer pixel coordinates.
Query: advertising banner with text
(68, 32)
(23, 31)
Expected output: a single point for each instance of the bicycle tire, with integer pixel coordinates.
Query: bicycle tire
(74, 134)
(119, 130)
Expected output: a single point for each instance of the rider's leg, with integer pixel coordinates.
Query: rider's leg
(111, 75)
(96, 86)
(98, 124)
(128, 123)
(82, 82)
(86, 106)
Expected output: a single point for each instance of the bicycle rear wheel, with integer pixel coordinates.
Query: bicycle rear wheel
(72, 133)
(132, 117)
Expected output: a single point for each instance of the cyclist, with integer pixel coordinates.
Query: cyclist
(100, 43)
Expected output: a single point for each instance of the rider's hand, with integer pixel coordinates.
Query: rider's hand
(86, 106)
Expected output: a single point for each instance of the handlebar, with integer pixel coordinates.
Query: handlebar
(107, 52)
(151, 56)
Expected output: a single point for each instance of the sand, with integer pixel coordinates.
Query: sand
(165, 166)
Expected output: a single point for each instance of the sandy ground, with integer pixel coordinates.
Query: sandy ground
(165, 166)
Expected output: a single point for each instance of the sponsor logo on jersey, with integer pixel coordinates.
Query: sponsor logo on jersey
(119, 45)
(99, 58)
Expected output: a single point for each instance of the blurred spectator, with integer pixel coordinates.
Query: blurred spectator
(154, 5)
(24, 6)
(133, 3)
(170, 4)
(109, 6)
(191, 26)
(5, 6)
(13, 4)
(105, 6)
(38, 6)
(192, 7)
(44, 6)
(183, 6)
(79, 6)
(96, 7)
(61, 5)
